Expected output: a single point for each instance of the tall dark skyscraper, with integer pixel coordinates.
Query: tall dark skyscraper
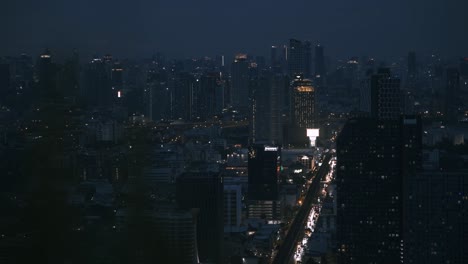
(46, 73)
(264, 164)
(183, 87)
(98, 84)
(412, 67)
(300, 58)
(263, 190)
(319, 61)
(451, 94)
(296, 57)
(381, 95)
(464, 67)
(240, 83)
(369, 187)
(207, 96)
(274, 57)
(266, 119)
(203, 192)
(4, 81)
(307, 59)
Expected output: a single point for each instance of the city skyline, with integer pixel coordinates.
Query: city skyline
(206, 28)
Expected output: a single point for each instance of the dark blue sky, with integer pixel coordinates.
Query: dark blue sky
(135, 28)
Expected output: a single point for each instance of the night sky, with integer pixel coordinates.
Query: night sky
(180, 28)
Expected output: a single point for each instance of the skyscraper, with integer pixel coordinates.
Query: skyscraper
(203, 192)
(4, 81)
(381, 95)
(207, 96)
(296, 57)
(412, 64)
(303, 103)
(46, 73)
(263, 191)
(266, 108)
(320, 71)
(263, 166)
(451, 94)
(240, 83)
(307, 59)
(369, 188)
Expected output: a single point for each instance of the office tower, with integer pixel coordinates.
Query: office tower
(436, 221)
(207, 96)
(369, 191)
(296, 57)
(307, 47)
(263, 194)
(274, 62)
(263, 166)
(381, 95)
(452, 94)
(464, 67)
(68, 78)
(177, 231)
(303, 103)
(239, 95)
(412, 68)
(320, 70)
(183, 87)
(97, 86)
(203, 192)
(46, 75)
(4, 81)
(260, 109)
(266, 108)
(302, 114)
(117, 76)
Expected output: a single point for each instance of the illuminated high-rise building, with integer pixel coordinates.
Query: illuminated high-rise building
(302, 115)
(303, 103)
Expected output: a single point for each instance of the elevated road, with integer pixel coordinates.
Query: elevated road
(296, 230)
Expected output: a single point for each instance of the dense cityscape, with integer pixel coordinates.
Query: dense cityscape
(293, 155)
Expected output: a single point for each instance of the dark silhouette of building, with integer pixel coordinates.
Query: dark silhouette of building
(452, 94)
(300, 58)
(4, 81)
(412, 67)
(240, 83)
(203, 191)
(381, 95)
(46, 74)
(320, 70)
(376, 158)
(97, 85)
(263, 190)
(266, 108)
(264, 163)
(207, 96)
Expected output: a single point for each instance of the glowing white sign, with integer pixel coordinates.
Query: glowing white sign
(271, 149)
